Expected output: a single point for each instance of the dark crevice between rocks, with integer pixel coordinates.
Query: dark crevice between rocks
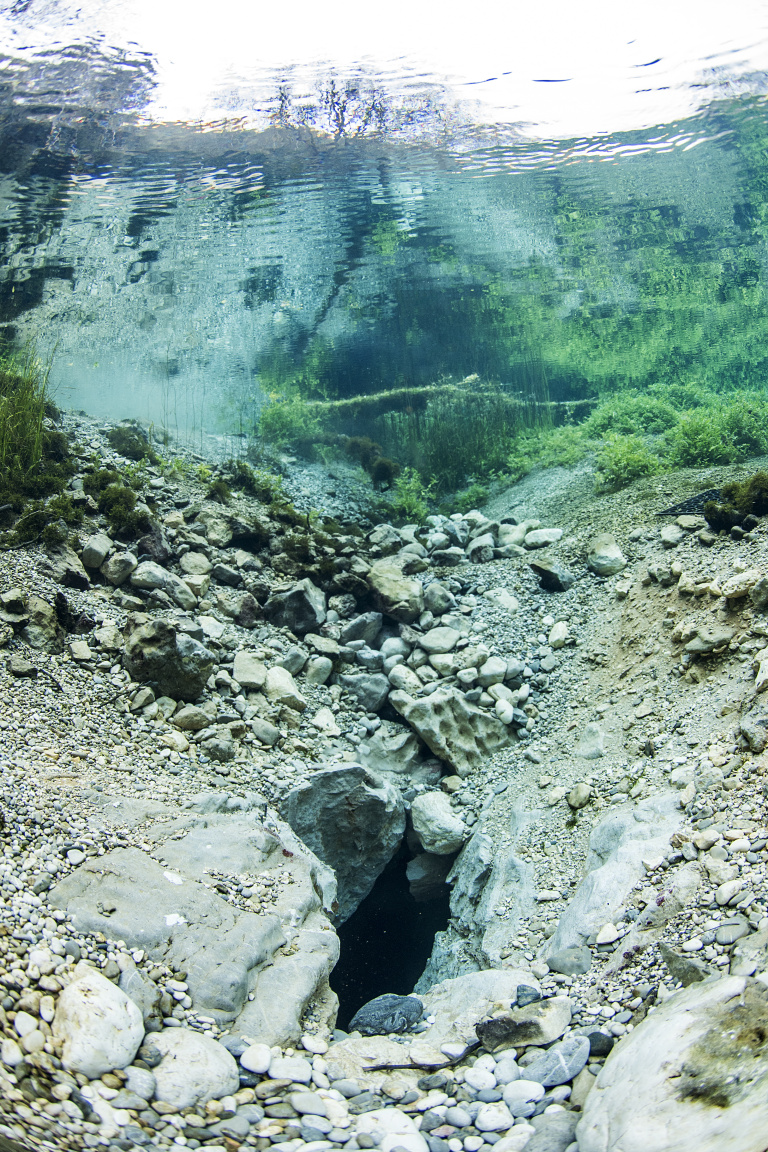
(387, 941)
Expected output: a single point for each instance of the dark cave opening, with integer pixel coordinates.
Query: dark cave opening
(387, 941)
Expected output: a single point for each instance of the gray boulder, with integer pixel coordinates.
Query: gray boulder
(150, 576)
(43, 630)
(301, 608)
(694, 1074)
(452, 728)
(370, 689)
(96, 549)
(365, 627)
(119, 567)
(385, 1014)
(171, 662)
(397, 594)
(437, 826)
(614, 864)
(351, 820)
(604, 556)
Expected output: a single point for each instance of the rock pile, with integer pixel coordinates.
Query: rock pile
(217, 737)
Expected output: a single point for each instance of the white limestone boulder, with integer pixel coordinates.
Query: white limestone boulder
(694, 1075)
(98, 1027)
(193, 1069)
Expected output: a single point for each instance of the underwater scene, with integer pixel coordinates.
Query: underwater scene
(383, 576)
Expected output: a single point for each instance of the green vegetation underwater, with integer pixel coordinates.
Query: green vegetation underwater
(356, 275)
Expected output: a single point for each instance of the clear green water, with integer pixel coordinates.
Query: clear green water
(180, 276)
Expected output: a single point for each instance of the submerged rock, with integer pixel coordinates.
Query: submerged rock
(692, 1075)
(398, 594)
(455, 730)
(351, 820)
(385, 1014)
(171, 662)
(98, 1026)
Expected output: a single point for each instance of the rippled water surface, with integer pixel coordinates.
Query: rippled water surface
(187, 231)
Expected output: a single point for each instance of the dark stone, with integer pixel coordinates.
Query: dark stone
(430, 1120)
(433, 1082)
(385, 1014)
(150, 1055)
(572, 961)
(526, 995)
(249, 611)
(21, 667)
(553, 577)
(365, 627)
(226, 575)
(234, 1044)
(155, 545)
(365, 1102)
(169, 661)
(599, 1043)
(300, 608)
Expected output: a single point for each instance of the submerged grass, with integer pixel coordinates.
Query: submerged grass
(34, 455)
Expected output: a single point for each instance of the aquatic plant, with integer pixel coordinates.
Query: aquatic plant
(472, 497)
(219, 491)
(410, 497)
(119, 505)
(740, 500)
(130, 440)
(623, 459)
(290, 423)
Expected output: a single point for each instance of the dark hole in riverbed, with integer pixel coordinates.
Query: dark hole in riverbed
(386, 943)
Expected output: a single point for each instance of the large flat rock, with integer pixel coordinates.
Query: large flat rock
(282, 954)
(694, 1075)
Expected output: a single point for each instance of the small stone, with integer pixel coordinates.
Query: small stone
(608, 934)
(308, 1104)
(294, 1068)
(521, 1093)
(541, 537)
(604, 557)
(493, 1118)
(579, 795)
(558, 635)
(727, 891)
(553, 577)
(672, 535)
(731, 932)
(249, 672)
(526, 995)
(314, 1044)
(257, 1058)
(21, 667)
